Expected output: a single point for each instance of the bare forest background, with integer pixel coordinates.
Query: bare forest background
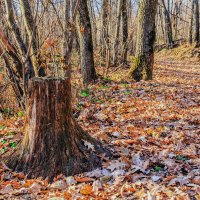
(48, 26)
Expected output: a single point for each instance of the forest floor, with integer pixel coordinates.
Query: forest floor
(153, 127)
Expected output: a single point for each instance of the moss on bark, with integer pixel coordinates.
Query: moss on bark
(141, 68)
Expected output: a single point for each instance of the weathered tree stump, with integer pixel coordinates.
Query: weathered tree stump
(54, 143)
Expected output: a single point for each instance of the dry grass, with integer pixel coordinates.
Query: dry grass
(183, 52)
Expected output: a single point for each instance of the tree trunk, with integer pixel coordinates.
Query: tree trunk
(105, 41)
(161, 21)
(67, 39)
(196, 14)
(105, 27)
(117, 29)
(31, 29)
(93, 22)
(190, 34)
(175, 19)
(12, 52)
(86, 43)
(124, 31)
(168, 27)
(142, 68)
(54, 143)
(29, 72)
(15, 80)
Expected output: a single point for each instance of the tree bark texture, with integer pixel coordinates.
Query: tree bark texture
(124, 31)
(86, 43)
(12, 52)
(117, 30)
(93, 22)
(168, 27)
(105, 26)
(190, 33)
(105, 40)
(142, 68)
(15, 80)
(54, 143)
(67, 39)
(196, 14)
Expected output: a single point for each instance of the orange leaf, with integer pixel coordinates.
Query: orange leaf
(7, 44)
(129, 141)
(29, 183)
(21, 175)
(82, 30)
(131, 190)
(86, 190)
(16, 185)
(67, 195)
(83, 179)
(49, 43)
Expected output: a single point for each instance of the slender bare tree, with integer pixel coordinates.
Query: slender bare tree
(168, 25)
(117, 31)
(196, 16)
(86, 43)
(124, 31)
(190, 31)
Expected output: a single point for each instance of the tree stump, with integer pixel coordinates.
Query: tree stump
(54, 143)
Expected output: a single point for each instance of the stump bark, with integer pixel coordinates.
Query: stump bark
(54, 143)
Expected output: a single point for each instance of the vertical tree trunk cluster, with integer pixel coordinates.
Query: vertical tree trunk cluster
(142, 68)
(23, 64)
(32, 36)
(20, 43)
(122, 19)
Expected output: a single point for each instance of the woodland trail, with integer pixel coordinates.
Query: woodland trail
(153, 129)
(185, 70)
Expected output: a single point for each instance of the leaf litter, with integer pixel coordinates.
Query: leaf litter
(153, 129)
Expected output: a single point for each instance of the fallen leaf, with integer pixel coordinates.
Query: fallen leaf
(7, 189)
(86, 190)
(67, 195)
(83, 179)
(35, 188)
